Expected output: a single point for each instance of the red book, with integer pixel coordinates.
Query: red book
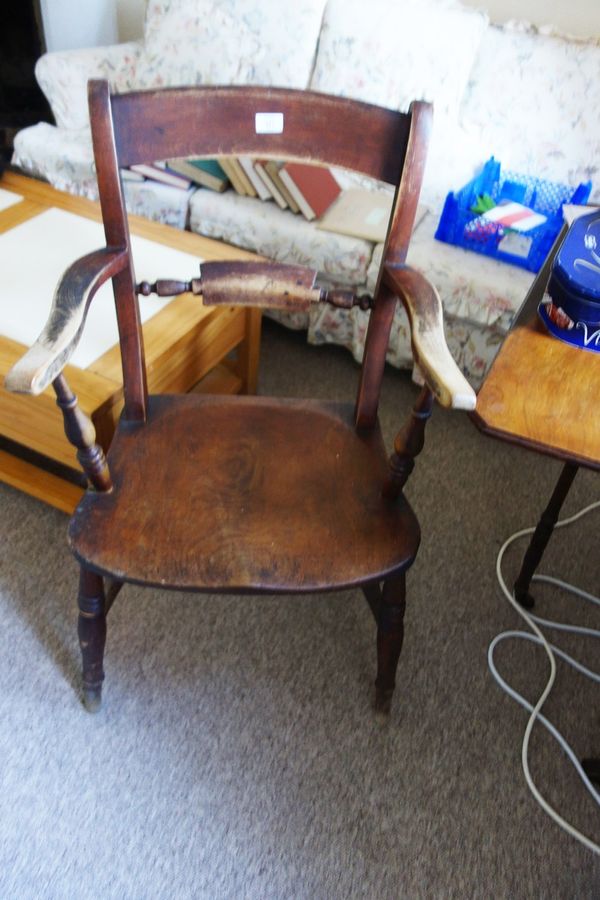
(313, 188)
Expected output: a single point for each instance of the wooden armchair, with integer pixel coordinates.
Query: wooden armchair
(247, 494)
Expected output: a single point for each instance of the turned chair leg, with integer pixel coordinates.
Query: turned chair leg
(390, 634)
(91, 630)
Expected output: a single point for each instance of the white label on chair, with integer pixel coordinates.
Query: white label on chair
(268, 123)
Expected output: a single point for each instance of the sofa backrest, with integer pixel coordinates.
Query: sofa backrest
(391, 53)
(532, 101)
(237, 42)
(528, 98)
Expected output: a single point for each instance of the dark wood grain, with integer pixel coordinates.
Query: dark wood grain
(404, 210)
(266, 495)
(542, 534)
(376, 344)
(409, 442)
(116, 229)
(402, 220)
(390, 637)
(154, 125)
(260, 284)
(91, 630)
(81, 434)
(240, 494)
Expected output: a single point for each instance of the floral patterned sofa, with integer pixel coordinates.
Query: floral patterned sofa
(526, 96)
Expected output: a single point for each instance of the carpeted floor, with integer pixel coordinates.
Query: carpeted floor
(236, 754)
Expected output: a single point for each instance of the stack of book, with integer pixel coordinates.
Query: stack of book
(309, 190)
(302, 188)
(181, 173)
(204, 172)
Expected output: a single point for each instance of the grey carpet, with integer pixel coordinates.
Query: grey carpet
(236, 755)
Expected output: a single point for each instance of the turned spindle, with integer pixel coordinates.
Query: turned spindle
(81, 434)
(409, 442)
(91, 630)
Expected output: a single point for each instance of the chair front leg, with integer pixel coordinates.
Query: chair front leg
(91, 630)
(390, 634)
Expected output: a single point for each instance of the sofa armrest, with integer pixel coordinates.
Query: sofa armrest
(44, 361)
(424, 307)
(63, 77)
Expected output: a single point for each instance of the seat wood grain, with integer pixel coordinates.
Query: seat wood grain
(245, 494)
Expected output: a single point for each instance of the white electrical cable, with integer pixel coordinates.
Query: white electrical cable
(551, 651)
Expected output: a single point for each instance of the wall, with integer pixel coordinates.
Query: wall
(130, 19)
(70, 24)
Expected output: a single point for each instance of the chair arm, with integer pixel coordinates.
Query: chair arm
(424, 307)
(48, 356)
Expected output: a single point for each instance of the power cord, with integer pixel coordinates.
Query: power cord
(551, 651)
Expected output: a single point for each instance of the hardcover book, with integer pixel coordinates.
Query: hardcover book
(231, 172)
(273, 168)
(313, 188)
(205, 172)
(158, 173)
(249, 189)
(257, 183)
(359, 213)
(364, 214)
(128, 175)
(261, 169)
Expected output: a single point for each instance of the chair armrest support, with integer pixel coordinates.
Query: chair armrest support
(424, 307)
(48, 356)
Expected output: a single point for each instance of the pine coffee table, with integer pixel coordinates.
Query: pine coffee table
(188, 346)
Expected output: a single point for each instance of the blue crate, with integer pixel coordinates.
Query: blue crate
(461, 226)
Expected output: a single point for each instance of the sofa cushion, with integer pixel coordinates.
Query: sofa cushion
(63, 77)
(63, 157)
(532, 100)
(279, 235)
(472, 286)
(66, 160)
(158, 202)
(392, 53)
(229, 42)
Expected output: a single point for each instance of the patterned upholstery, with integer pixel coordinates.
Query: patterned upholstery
(525, 96)
(229, 42)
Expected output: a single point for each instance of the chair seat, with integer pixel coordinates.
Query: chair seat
(245, 494)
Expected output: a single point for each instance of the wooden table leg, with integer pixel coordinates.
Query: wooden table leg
(542, 535)
(591, 768)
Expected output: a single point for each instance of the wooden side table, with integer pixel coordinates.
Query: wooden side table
(187, 347)
(543, 394)
(540, 392)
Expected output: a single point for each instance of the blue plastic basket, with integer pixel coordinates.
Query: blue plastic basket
(461, 226)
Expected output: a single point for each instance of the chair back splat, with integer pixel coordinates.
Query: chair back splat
(268, 123)
(239, 494)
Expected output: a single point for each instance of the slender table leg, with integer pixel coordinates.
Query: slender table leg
(592, 769)
(542, 535)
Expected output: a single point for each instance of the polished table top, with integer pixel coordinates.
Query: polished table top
(541, 392)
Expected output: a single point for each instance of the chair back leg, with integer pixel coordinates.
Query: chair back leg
(390, 635)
